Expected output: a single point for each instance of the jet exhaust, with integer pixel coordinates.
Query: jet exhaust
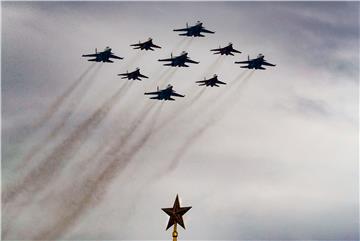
(54, 107)
(51, 166)
(93, 188)
(60, 126)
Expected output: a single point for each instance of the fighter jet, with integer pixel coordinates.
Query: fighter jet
(164, 94)
(195, 30)
(228, 50)
(103, 56)
(179, 61)
(148, 45)
(211, 82)
(135, 75)
(255, 63)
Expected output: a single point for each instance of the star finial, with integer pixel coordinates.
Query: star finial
(176, 213)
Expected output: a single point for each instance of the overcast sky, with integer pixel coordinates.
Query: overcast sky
(271, 155)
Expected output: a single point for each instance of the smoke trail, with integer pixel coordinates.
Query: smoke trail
(168, 77)
(178, 45)
(50, 167)
(188, 43)
(218, 114)
(92, 189)
(164, 73)
(59, 127)
(196, 97)
(179, 111)
(196, 111)
(54, 107)
(214, 66)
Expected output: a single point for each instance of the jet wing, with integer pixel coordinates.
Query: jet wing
(204, 30)
(243, 62)
(115, 57)
(235, 51)
(220, 82)
(176, 94)
(181, 29)
(166, 59)
(143, 76)
(267, 64)
(136, 44)
(155, 98)
(152, 93)
(201, 81)
(191, 61)
(155, 46)
(89, 55)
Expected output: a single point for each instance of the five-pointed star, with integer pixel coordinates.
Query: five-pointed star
(176, 213)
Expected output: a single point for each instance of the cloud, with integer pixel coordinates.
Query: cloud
(283, 157)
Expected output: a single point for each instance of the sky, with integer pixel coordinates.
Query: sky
(272, 155)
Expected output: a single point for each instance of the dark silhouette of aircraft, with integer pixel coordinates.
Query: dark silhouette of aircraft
(228, 50)
(147, 45)
(211, 82)
(135, 75)
(164, 94)
(179, 61)
(195, 30)
(103, 56)
(255, 63)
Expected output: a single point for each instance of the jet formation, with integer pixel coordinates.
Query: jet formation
(103, 56)
(181, 60)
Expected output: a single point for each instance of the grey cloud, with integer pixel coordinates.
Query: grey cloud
(258, 170)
